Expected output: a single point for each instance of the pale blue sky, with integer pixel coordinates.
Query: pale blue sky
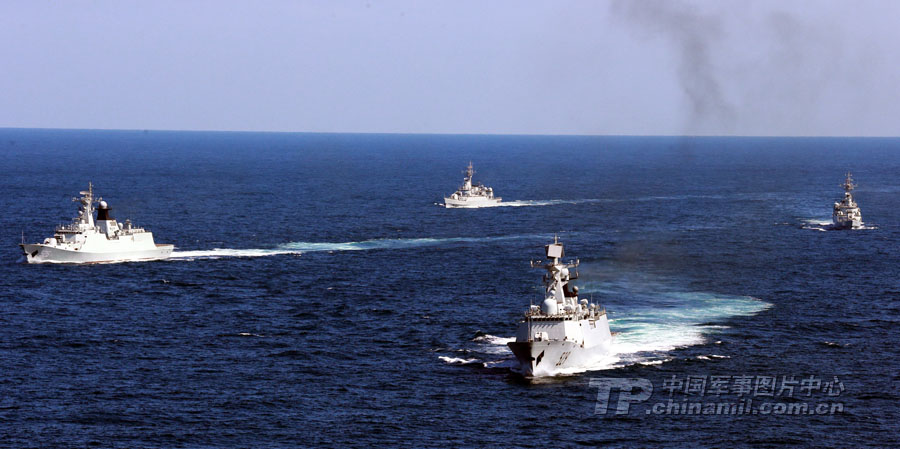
(521, 67)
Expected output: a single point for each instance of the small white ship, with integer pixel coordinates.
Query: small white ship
(472, 195)
(846, 212)
(88, 241)
(564, 331)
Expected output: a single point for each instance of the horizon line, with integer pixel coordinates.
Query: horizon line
(145, 130)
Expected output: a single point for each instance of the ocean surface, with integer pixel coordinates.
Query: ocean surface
(319, 296)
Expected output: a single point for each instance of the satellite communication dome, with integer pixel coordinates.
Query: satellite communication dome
(549, 307)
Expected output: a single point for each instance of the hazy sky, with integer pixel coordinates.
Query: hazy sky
(522, 67)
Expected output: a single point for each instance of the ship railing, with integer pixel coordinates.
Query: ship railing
(572, 315)
(69, 227)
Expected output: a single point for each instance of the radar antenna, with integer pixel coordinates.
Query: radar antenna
(848, 184)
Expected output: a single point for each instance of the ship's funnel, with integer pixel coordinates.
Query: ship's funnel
(103, 212)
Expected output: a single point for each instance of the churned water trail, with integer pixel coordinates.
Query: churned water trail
(555, 202)
(531, 203)
(679, 319)
(297, 248)
(404, 243)
(654, 320)
(218, 253)
(814, 224)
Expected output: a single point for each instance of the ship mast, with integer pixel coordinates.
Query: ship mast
(848, 184)
(558, 275)
(467, 184)
(87, 206)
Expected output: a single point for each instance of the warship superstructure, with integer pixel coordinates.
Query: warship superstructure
(86, 240)
(563, 331)
(846, 212)
(472, 195)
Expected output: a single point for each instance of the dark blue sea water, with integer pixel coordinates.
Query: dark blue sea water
(319, 297)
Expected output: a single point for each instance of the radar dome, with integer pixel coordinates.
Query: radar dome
(549, 306)
(103, 204)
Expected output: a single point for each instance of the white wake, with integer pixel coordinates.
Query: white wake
(645, 332)
(297, 248)
(828, 225)
(531, 203)
(219, 253)
(375, 244)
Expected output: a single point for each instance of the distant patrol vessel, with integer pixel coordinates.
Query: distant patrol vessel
(470, 195)
(564, 331)
(846, 212)
(88, 241)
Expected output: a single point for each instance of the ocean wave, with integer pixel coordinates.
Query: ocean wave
(494, 340)
(817, 222)
(491, 344)
(712, 357)
(458, 360)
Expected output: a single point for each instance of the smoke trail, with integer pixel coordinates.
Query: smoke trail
(692, 33)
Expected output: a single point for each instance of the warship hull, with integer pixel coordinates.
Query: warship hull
(559, 344)
(563, 332)
(100, 240)
(39, 253)
(548, 358)
(846, 213)
(847, 224)
(471, 202)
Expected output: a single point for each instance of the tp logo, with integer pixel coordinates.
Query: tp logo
(631, 390)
